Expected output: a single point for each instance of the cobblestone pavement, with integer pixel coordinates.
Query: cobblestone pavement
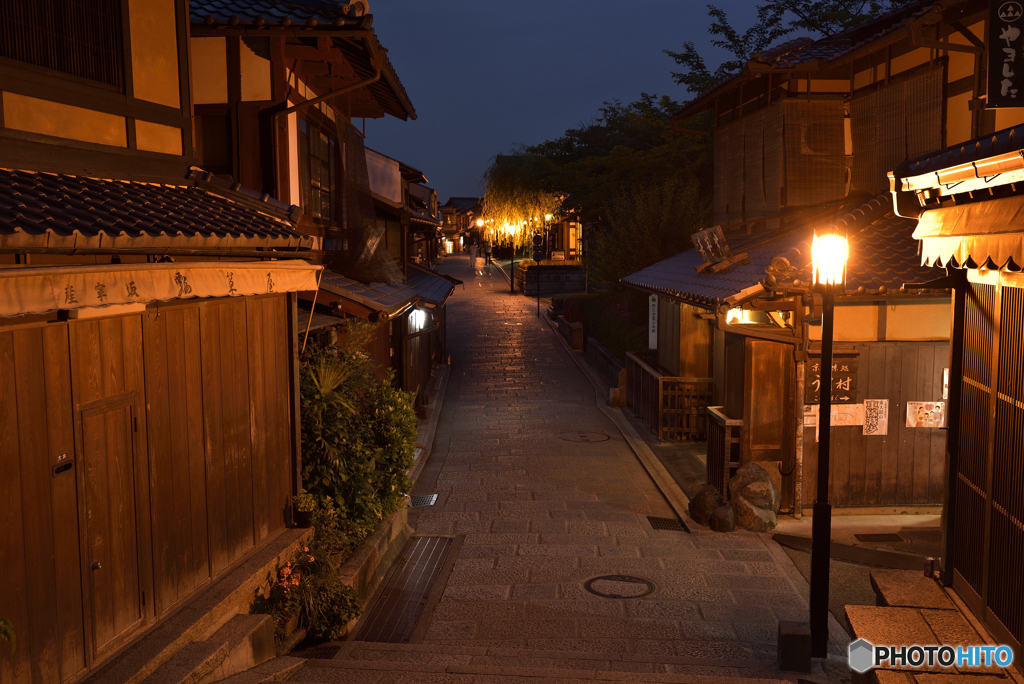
(541, 513)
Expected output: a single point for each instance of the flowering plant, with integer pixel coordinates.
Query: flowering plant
(308, 587)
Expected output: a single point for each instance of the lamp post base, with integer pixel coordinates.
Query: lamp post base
(821, 542)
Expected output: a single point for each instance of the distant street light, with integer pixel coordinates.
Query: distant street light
(829, 254)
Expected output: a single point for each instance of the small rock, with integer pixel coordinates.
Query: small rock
(703, 504)
(723, 519)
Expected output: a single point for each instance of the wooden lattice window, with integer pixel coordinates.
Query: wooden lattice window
(78, 37)
(317, 176)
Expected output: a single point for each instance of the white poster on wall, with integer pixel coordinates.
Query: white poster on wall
(876, 417)
(652, 322)
(945, 384)
(926, 414)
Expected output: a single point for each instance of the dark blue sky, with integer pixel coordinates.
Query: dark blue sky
(484, 75)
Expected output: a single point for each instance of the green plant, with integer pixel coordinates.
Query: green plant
(304, 502)
(7, 632)
(308, 587)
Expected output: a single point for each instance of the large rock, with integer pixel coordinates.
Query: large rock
(703, 504)
(754, 498)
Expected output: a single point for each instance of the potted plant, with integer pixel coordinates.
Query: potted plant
(303, 506)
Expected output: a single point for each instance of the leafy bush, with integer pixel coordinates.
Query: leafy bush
(358, 435)
(616, 319)
(7, 632)
(572, 311)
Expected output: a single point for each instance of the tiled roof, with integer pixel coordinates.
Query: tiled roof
(883, 254)
(1000, 142)
(275, 11)
(803, 51)
(462, 203)
(319, 322)
(61, 211)
(377, 296)
(430, 287)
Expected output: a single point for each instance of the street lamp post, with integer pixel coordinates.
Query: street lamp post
(829, 254)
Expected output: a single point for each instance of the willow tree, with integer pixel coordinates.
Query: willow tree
(516, 202)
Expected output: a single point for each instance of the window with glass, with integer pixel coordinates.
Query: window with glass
(317, 175)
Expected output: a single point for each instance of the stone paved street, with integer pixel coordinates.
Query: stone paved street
(540, 515)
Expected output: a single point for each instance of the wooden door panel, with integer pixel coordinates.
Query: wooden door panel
(111, 526)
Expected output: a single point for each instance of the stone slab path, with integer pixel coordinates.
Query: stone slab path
(539, 512)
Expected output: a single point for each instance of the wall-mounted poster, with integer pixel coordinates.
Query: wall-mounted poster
(926, 414)
(876, 416)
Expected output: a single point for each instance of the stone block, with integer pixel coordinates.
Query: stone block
(908, 589)
(704, 502)
(794, 646)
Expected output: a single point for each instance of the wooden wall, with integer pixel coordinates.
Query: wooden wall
(767, 396)
(177, 424)
(905, 467)
(684, 340)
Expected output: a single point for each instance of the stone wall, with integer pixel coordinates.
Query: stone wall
(553, 280)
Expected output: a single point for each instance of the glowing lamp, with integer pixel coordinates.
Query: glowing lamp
(829, 254)
(479, 223)
(547, 217)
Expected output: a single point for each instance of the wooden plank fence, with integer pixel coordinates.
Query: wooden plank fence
(673, 408)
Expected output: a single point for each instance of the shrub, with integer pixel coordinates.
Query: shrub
(7, 632)
(572, 311)
(358, 435)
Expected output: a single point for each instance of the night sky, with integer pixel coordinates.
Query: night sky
(484, 75)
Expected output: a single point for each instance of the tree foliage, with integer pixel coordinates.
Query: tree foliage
(776, 19)
(612, 159)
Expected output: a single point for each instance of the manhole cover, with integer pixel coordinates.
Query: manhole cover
(619, 586)
(583, 436)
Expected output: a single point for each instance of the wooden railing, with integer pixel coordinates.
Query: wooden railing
(723, 448)
(673, 408)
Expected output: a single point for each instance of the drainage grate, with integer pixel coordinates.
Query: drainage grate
(325, 652)
(880, 538)
(423, 500)
(399, 605)
(619, 586)
(672, 524)
(583, 436)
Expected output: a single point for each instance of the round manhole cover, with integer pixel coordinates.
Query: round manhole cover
(619, 586)
(583, 436)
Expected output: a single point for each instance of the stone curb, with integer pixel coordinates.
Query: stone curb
(427, 438)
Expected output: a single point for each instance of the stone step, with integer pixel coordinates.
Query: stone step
(243, 642)
(364, 661)
(274, 670)
(323, 671)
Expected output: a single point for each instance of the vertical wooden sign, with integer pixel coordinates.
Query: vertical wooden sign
(652, 322)
(1005, 54)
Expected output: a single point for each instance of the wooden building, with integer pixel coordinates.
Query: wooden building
(967, 200)
(148, 372)
(803, 136)
(280, 105)
(458, 217)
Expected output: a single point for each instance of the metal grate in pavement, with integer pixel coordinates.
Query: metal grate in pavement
(671, 524)
(423, 500)
(394, 614)
(890, 538)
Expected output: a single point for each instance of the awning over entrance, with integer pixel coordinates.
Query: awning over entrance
(383, 297)
(30, 290)
(431, 287)
(988, 234)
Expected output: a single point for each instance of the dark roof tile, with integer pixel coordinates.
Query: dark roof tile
(90, 210)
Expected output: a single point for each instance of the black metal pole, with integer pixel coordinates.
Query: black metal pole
(821, 528)
(512, 270)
